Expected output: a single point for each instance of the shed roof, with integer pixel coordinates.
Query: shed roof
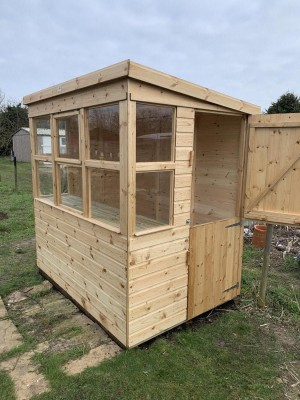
(142, 73)
(22, 131)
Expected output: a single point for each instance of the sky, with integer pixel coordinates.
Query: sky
(249, 49)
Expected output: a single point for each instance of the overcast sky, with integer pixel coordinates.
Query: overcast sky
(249, 49)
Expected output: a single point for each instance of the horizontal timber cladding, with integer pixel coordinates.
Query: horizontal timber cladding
(157, 287)
(102, 94)
(87, 261)
(185, 125)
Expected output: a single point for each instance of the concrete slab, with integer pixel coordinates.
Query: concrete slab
(95, 357)
(9, 334)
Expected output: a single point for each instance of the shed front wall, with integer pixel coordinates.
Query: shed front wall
(85, 260)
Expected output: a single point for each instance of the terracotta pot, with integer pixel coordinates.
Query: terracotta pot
(259, 236)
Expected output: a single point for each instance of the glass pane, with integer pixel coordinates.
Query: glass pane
(71, 186)
(43, 136)
(68, 134)
(154, 131)
(45, 178)
(153, 193)
(104, 133)
(105, 196)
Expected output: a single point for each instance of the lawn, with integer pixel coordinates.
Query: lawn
(235, 352)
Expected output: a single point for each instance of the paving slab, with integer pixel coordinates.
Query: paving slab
(24, 373)
(93, 358)
(9, 334)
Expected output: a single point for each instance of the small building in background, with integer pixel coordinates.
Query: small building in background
(21, 145)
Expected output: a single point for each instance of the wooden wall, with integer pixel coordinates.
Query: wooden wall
(157, 262)
(273, 170)
(87, 261)
(216, 167)
(157, 282)
(88, 97)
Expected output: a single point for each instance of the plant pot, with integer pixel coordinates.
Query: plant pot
(259, 236)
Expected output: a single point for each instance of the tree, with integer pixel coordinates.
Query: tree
(12, 118)
(287, 103)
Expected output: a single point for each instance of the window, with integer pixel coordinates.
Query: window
(70, 185)
(154, 133)
(103, 123)
(104, 164)
(153, 191)
(45, 182)
(43, 136)
(155, 165)
(105, 195)
(68, 134)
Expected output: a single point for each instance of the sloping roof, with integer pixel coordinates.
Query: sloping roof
(22, 131)
(142, 73)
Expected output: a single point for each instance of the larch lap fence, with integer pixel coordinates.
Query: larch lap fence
(140, 195)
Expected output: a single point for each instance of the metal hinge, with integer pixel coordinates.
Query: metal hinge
(236, 286)
(240, 223)
(188, 255)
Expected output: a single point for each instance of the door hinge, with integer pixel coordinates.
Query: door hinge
(240, 223)
(236, 286)
(188, 255)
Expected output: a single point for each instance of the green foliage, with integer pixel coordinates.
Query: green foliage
(287, 103)
(17, 248)
(12, 118)
(231, 358)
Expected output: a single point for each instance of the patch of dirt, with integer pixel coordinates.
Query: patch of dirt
(59, 326)
(291, 368)
(24, 373)
(3, 216)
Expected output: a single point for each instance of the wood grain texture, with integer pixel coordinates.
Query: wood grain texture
(86, 262)
(216, 178)
(215, 265)
(273, 169)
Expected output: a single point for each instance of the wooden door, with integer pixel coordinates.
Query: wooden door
(273, 169)
(214, 264)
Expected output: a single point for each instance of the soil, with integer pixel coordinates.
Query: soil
(58, 325)
(3, 215)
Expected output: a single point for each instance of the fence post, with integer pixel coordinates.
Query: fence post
(264, 273)
(16, 175)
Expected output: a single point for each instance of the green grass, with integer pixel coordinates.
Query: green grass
(17, 248)
(16, 205)
(230, 358)
(226, 355)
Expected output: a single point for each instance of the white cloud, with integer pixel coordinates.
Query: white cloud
(247, 49)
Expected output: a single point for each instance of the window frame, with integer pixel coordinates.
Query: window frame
(158, 166)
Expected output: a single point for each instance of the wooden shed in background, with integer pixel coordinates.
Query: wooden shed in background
(139, 201)
(21, 145)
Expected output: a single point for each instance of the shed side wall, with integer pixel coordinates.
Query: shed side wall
(21, 146)
(157, 262)
(85, 260)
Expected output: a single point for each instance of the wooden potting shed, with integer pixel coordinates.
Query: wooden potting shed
(139, 201)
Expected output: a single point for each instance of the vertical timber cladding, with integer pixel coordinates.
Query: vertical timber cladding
(158, 271)
(273, 169)
(215, 265)
(87, 261)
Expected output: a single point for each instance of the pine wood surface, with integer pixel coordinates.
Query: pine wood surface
(214, 265)
(273, 169)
